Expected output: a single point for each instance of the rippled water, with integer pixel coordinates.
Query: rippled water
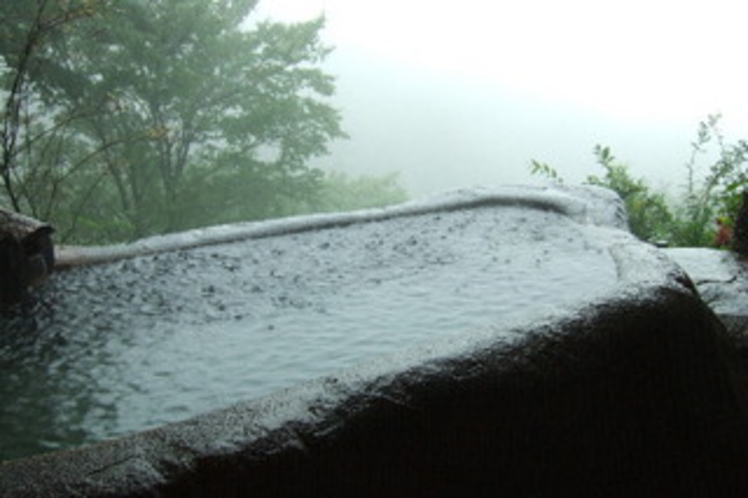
(139, 343)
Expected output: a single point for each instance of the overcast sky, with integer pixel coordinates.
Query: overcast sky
(460, 93)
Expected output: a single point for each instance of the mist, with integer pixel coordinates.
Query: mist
(452, 97)
(441, 131)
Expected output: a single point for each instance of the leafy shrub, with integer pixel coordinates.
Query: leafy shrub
(649, 216)
(691, 220)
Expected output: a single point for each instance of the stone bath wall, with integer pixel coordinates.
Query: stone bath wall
(721, 278)
(637, 393)
(585, 205)
(632, 397)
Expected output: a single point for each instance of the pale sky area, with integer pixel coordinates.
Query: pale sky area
(454, 94)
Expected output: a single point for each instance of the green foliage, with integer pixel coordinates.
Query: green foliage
(691, 221)
(728, 176)
(649, 216)
(144, 117)
(34, 133)
(543, 169)
(694, 225)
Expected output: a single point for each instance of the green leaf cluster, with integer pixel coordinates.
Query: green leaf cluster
(546, 171)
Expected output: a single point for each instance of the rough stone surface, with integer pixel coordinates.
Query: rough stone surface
(638, 392)
(721, 278)
(587, 205)
(638, 396)
(26, 256)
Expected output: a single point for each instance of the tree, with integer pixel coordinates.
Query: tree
(187, 116)
(29, 33)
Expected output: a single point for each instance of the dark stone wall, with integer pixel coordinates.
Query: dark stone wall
(636, 396)
(740, 231)
(26, 256)
(13, 285)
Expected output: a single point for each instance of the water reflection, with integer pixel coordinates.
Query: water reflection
(50, 392)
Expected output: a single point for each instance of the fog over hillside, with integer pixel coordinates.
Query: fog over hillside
(451, 95)
(442, 131)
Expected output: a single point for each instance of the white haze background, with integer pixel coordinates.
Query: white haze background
(454, 94)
